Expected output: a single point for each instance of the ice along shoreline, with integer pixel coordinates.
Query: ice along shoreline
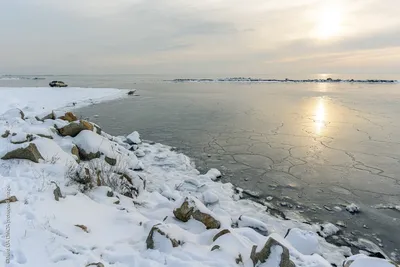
(153, 206)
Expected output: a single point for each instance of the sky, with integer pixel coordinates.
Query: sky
(192, 37)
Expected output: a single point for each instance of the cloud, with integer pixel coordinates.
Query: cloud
(152, 36)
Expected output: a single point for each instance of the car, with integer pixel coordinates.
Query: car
(57, 84)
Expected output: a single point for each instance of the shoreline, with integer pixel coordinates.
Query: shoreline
(170, 178)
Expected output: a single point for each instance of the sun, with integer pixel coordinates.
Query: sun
(329, 23)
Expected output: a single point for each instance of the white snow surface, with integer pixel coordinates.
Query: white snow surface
(361, 260)
(305, 242)
(36, 100)
(43, 231)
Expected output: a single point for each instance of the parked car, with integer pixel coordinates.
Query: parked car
(57, 84)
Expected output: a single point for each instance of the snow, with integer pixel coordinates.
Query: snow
(305, 242)
(361, 260)
(212, 174)
(329, 229)
(352, 208)
(134, 138)
(43, 231)
(36, 100)
(209, 197)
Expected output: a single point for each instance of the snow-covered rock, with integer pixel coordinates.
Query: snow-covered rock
(352, 208)
(134, 138)
(209, 197)
(361, 260)
(212, 174)
(328, 229)
(306, 242)
(246, 221)
(193, 208)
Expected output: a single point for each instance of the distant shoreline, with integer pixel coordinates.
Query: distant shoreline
(261, 80)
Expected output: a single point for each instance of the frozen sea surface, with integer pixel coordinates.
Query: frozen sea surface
(321, 145)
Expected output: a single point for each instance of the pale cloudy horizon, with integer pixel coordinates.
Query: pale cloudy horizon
(209, 36)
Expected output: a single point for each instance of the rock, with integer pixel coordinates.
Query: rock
(328, 229)
(69, 116)
(193, 208)
(97, 264)
(45, 136)
(265, 252)
(215, 247)
(20, 138)
(83, 227)
(257, 225)
(57, 192)
(110, 161)
(50, 116)
(159, 229)
(209, 197)
(75, 151)
(30, 153)
(13, 113)
(9, 200)
(131, 92)
(6, 134)
(353, 208)
(221, 233)
(74, 128)
(97, 129)
(306, 242)
(110, 193)
(83, 155)
(133, 138)
(361, 260)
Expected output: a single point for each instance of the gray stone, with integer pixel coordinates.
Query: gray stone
(83, 155)
(111, 161)
(186, 211)
(150, 241)
(221, 233)
(30, 153)
(9, 200)
(74, 128)
(265, 252)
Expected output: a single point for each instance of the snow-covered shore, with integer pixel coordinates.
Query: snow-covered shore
(128, 203)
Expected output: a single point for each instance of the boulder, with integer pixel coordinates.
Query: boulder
(209, 197)
(133, 138)
(221, 233)
(256, 225)
(75, 151)
(69, 116)
(160, 229)
(193, 208)
(74, 128)
(306, 242)
(50, 116)
(13, 113)
(263, 255)
(20, 138)
(362, 260)
(110, 161)
(6, 134)
(83, 155)
(30, 153)
(9, 200)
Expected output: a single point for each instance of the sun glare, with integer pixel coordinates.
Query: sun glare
(329, 23)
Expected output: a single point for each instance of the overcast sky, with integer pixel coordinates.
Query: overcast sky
(199, 36)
